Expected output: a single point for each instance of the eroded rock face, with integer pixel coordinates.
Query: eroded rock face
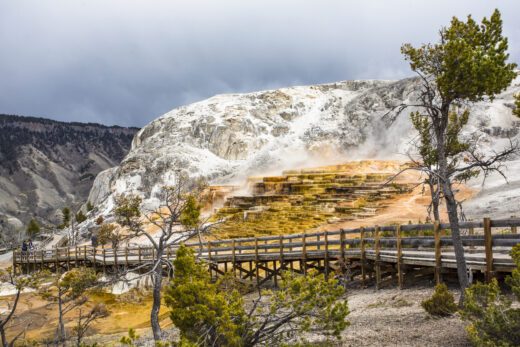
(228, 137)
(46, 165)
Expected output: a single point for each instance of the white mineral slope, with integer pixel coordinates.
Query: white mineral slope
(229, 137)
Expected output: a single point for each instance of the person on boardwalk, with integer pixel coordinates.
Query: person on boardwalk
(94, 240)
(24, 250)
(30, 247)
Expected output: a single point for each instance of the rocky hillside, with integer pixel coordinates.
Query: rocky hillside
(46, 165)
(228, 137)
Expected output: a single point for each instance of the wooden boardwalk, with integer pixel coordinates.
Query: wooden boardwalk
(379, 255)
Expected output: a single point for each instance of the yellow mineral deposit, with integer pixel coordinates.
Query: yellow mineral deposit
(304, 199)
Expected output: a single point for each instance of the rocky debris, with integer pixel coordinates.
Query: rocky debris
(130, 281)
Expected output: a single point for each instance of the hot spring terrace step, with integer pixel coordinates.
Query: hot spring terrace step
(363, 214)
(349, 210)
(331, 200)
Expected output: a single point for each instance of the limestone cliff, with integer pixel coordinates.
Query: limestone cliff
(228, 137)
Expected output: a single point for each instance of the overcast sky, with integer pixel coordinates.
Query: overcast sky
(127, 62)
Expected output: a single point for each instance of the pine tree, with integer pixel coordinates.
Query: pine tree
(33, 228)
(468, 64)
(80, 217)
(66, 216)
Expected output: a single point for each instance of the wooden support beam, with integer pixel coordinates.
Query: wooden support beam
(363, 260)
(85, 255)
(275, 277)
(76, 256)
(377, 266)
(488, 242)
(256, 263)
(438, 264)
(114, 250)
(399, 257)
(94, 251)
(342, 245)
(57, 260)
(210, 262)
(304, 250)
(68, 258)
(326, 261)
(513, 229)
(126, 256)
(42, 256)
(104, 261)
(281, 253)
(233, 260)
(471, 232)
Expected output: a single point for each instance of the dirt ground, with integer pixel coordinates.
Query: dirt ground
(393, 317)
(404, 208)
(387, 317)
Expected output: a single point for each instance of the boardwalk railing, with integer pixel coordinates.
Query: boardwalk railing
(384, 254)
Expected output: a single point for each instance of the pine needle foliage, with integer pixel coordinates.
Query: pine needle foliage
(441, 303)
(33, 228)
(213, 314)
(494, 321)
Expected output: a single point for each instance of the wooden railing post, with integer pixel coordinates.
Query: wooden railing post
(256, 263)
(342, 245)
(94, 251)
(41, 257)
(326, 239)
(363, 260)
(233, 257)
(114, 250)
(513, 229)
(377, 264)
(57, 260)
(104, 261)
(281, 255)
(76, 256)
(471, 232)
(85, 255)
(304, 250)
(210, 265)
(126, 255)
(437, 232)
(399, 256)
(488, 242)
(68, 258)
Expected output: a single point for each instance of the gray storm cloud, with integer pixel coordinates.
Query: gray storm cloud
(127, 62)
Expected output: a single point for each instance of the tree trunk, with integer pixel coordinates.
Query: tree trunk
(451, 205)
(435, 200)
(4, 339)
(154, 316)
(60, 330)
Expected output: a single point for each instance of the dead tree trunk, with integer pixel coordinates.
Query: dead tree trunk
(156, 306)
